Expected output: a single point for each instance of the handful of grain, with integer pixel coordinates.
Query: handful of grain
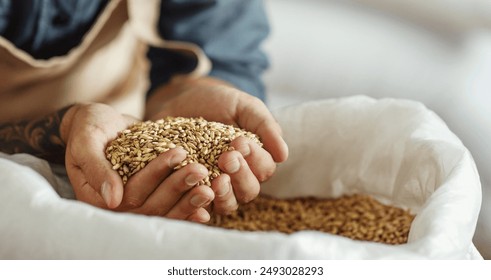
(204, 141)
(358, 217)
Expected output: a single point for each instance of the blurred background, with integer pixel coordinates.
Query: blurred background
(437, 52)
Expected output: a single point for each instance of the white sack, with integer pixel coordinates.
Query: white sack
(397, 151)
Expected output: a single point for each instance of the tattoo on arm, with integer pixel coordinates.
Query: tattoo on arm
(39, 137)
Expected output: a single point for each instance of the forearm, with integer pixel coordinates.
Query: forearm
(231, 38)
(39, 137)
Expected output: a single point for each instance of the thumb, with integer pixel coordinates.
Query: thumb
(93, 179)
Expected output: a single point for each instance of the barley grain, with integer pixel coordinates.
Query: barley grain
(204, 141)
(327, 215)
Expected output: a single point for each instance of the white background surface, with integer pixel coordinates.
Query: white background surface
(436, 51)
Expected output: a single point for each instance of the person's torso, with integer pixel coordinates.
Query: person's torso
(106, 64)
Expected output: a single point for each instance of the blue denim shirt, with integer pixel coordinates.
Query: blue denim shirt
(229, 31)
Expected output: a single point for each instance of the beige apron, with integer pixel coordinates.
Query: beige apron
(109, 66)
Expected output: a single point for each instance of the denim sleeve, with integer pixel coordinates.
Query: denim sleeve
(230, 32)
(45, 29)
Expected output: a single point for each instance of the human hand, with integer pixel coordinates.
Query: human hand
(247, 166)
(155, 190)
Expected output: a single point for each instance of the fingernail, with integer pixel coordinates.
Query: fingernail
(244, 149)
(176, 159)
(192, 179)
(106, 192)
(199, 200)
(232, 166)
(223, 189)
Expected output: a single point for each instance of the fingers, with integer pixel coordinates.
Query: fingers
(245, 184)
(83, 191)
(270, 133)
(200, 216)
(172, 194)
(225, 201)
(93, 170)
(256, 117)
(86, 131)
(245, 168)
(142, 184)
(191, 206)
(259, 160)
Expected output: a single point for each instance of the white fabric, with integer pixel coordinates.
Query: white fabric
(395, 150)
(437, 52)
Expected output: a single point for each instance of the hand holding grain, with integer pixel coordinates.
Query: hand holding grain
(248, 164)
(156, 190)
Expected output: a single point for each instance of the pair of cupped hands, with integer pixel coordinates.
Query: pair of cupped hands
(158, 189)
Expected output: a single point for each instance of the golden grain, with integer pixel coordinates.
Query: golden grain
(204, 141)
(327, 215)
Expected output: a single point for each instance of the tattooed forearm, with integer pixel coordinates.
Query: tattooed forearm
(39, 137)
